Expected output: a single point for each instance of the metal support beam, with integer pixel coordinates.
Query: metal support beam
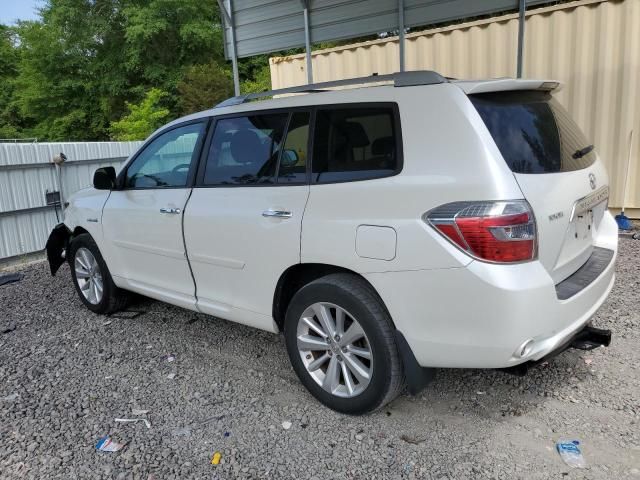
(307, 41)
(401, 34)
(227, 12)
(521, 21)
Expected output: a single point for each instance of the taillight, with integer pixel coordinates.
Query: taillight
(501, 231)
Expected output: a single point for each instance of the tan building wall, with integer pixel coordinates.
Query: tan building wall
(591, 46)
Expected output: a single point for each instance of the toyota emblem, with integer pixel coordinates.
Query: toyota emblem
(592, 181)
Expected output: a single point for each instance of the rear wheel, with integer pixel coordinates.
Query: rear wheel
(91, 277)
(341, 343)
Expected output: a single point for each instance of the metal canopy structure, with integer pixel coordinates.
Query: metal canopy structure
(253, 27)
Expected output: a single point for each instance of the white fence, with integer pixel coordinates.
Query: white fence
(27, 174)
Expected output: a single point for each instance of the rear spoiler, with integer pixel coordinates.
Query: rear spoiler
(501, 84)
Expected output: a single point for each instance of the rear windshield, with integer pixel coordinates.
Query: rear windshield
(534, 133)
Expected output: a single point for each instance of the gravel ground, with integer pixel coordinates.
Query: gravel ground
(66, 374)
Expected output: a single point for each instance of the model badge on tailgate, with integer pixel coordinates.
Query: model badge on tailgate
(556, 216)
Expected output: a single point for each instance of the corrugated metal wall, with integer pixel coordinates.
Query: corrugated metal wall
(26, 174)
(592, 46)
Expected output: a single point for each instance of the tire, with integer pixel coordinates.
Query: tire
(361, 306)
(83, 249)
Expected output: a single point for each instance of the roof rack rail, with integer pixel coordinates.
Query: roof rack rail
(400, 79)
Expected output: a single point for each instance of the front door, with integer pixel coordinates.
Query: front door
(243, 221)
(143, 220)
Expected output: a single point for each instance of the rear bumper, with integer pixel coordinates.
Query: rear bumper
(482, 315)
(587, 338)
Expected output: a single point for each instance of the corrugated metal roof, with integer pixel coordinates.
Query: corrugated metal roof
(263, 27)
(591, 46)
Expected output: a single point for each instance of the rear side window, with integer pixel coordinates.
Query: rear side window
(354, 144)
(534, 133)
(245, 150)
(293, 160)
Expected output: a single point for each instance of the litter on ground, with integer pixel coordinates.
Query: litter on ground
(569, 451)
(10, 278)
(9, 329)
(413, 440)
(105, 444)
(133, 420)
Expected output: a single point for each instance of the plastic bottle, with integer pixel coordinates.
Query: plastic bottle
(569, 451)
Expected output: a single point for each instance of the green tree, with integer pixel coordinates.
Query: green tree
(69, 75)
(259, 82)
(163, 37)
(203, 86)
(70, 80)
(85, 59)
(8, 69)
(142, 118)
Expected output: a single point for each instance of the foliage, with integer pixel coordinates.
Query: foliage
(143, 118)
(203, 86)
(8, 69)
(259, 83)
(77, 72)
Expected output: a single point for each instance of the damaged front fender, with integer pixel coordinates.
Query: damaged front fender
(57, 246)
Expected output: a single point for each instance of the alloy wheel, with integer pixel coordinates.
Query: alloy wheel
(88, 275)
(335, 349)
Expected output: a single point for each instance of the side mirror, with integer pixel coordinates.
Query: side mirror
(289, 158)
(104, 178)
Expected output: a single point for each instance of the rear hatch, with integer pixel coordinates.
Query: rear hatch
(556, 168)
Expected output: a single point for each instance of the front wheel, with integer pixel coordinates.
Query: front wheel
(91, 277)
(341, 343)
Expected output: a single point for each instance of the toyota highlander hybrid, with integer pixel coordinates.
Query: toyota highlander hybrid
(412, 223)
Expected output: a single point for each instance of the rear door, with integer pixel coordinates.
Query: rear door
(242, 223)
(557, 170)
(142, 221)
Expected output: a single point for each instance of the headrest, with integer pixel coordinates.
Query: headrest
(355, 135)
(246, 146)
(383, 146)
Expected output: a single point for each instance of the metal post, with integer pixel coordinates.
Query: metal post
(227, 11)
(401, 33)
(307, 41)
(59, 175)
(521, 21)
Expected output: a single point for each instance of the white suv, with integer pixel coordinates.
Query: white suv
(415, 223)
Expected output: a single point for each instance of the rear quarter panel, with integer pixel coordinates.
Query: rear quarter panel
(446, 159)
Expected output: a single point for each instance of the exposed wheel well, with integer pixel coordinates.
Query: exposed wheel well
(296, 277)
(79, 231)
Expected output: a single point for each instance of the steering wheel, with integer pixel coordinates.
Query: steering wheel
(182, 166)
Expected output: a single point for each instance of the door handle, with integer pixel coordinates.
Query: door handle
(277, 213)
(170, 210)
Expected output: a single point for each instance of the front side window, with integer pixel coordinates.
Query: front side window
(166, 161)
(245, 150)
(354, 144)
